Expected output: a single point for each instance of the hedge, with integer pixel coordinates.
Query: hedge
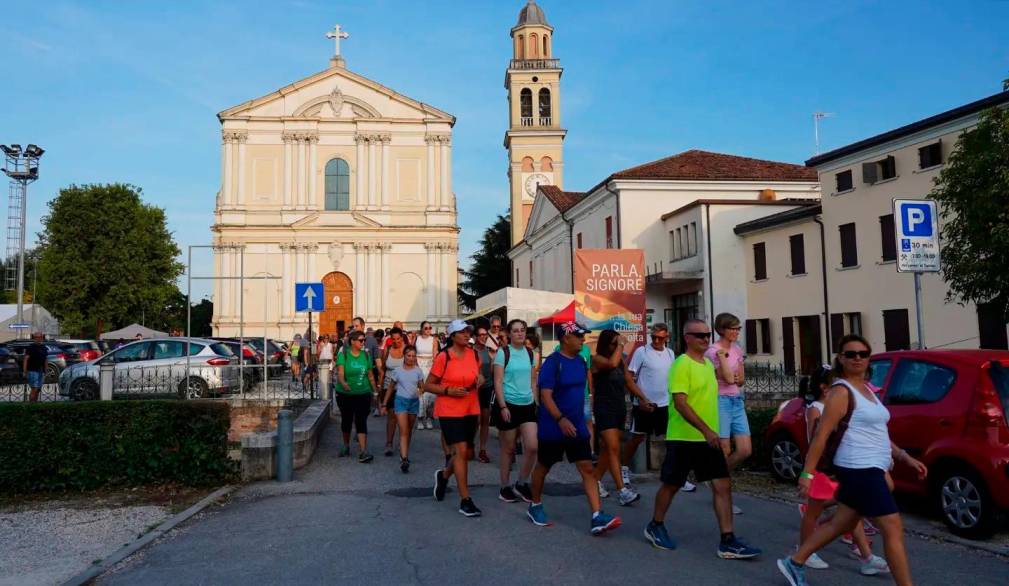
(89, 445)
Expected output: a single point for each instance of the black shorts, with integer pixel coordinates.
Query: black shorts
(576, 449)
(519, 414)
(609, 417)
(457, 430)
(645, 423)
(707, 463)
(486, 397)
(865, 490)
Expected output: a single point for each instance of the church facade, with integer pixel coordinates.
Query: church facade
(340, 180)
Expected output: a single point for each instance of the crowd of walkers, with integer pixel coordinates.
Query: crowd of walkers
(573, 405)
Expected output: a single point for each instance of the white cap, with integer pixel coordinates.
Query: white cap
(457, 325)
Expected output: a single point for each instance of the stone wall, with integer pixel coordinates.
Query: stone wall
(255, 416)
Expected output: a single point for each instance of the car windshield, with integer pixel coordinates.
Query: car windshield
(1000, 376)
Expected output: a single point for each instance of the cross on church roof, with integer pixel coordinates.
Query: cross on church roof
(336, 34)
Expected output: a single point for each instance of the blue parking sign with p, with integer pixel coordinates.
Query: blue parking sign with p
(916, 219)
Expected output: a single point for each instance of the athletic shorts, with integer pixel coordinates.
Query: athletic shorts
(576, 449)
(865, 490)
(649, 423)
(457, 430)
(402, 405)
(519, 414)
(732, 417)
(706, 462)
(610, 418)
(822, 488)
(486, 397)
(36, 378)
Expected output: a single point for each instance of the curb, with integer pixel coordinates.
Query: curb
(129, 549)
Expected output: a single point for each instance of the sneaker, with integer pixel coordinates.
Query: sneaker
(802, 509)
(603, 493)
(846, 539)
(388, 451)
(524, 491)
(815, 562)
(404, 465)
(440, 485)
(627, 496)
(870, 529)
(344, 451)
(420, 425)
(736, 510)
(625, 475)
(428, 424)
(375, 413)
(537, 515)
(603, 522)
(507, 495)
(468, 509)
(737, 549)
(658, 536)
(795, 574)
(365, 458)
(874, 565)
(689, 486)
(483, 457)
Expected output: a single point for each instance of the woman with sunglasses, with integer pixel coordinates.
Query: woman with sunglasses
(610, 409)
(427, 346)
(354, 389)
(733, 425)
(863, 456)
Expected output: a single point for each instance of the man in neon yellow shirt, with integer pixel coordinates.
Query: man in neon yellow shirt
(692, 444)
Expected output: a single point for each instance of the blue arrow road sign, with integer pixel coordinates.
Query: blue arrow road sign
(308, 297)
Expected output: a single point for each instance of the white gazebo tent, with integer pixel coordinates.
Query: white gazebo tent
(131, 331)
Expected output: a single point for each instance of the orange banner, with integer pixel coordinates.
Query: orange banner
(610, 292)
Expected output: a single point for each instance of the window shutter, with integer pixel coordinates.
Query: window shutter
(751, 336)
(836, 331)
(869, 173)
(788, 345)
(759, 261)
(797, 245)
(765, 336)
(888, 239)
(849, 252)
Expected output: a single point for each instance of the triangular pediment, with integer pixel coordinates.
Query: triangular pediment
(543, 211)
(336, 93)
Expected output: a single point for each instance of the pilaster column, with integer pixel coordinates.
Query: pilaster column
(288, 138)
(237, 283)
(359, 198)
(446, 173)
(374, 282)
(218, 272)
(386, 187)
(430, 288)
(372, 172)
(226, 179)
(241, 137)
(358, 279)
(312, 201)
(312, 276)
(386, 248)
(432, 197)
(286, 282)
(299, 171)
(446, 280)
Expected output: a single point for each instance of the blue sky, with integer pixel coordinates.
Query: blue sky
(128, 91)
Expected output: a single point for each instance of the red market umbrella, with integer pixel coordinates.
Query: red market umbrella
(563, 315)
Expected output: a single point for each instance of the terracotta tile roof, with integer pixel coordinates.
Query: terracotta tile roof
(562, 200)
(704, 165)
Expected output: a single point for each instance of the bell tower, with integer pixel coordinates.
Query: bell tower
(535, 138)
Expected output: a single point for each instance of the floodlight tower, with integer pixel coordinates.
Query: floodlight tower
(23, 168)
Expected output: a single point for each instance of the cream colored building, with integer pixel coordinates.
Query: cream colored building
(339, 179)
(864, 292)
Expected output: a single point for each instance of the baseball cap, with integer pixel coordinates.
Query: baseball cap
(573, 327)
(457, 325)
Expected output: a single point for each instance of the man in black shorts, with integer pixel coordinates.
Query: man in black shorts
(692, 444)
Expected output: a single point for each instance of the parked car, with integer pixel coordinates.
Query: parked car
(949, 409)
(252, 359)
(10, 371)
(88, 349)
(158, 367)
(60, 356)
(104, 346)
(274, 354)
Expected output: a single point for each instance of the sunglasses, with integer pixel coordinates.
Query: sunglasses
(482, 335)
(427, 327)
(700, 335)
(660, 338)
(852, 354)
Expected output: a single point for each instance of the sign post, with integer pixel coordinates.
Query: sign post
(916, 228)
(308, 297)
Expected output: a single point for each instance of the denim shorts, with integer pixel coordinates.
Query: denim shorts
(411, 405)
(732, 417)
(36, 378)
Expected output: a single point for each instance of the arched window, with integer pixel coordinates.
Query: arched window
(545, 107)
(526, 106)
(527, 165)
(534, 46)
(338, 185)
(546, 46)
(521, 52)
(546, 164)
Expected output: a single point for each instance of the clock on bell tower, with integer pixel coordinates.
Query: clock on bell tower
(535, 139)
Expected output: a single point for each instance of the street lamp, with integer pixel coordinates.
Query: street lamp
(22, 168)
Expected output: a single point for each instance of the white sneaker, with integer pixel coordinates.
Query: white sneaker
(815, 562)
(689, 487)
(420, 424)
(603, 493)
(627, 496)
(625, 475)
(736, 510)
(428, 424)
(874, 565)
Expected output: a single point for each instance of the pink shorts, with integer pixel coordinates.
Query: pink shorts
(822, 488)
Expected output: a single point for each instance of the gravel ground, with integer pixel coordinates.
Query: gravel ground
(46, 543)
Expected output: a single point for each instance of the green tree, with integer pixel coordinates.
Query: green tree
(106, 255)
(490, 269)
(973, 196)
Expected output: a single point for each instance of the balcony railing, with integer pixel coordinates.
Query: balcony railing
(527, 121)
(535, 64)
(545, 120)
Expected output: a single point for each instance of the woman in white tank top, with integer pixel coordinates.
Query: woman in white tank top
(426, 345)
(860, 465)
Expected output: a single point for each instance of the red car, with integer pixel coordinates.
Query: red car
(949, 409)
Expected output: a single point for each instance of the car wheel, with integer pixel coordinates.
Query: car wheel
(195, 388)
(785, 458)
(965, 504)
(52, 374)
(84, 389)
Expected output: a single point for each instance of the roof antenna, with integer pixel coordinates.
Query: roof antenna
(817, 116)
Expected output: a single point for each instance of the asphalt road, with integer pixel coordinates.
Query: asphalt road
(344, 522)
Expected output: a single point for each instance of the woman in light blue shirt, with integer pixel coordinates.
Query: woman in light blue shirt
(514, 410)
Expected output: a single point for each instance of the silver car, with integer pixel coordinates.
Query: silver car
(158, 367)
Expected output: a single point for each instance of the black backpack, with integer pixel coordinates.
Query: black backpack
(508, 355)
